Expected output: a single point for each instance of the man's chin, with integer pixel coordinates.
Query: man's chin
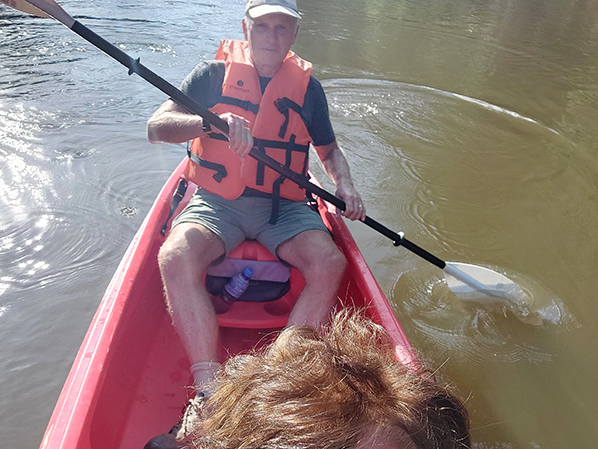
(270, 60)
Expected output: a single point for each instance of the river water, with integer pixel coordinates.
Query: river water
(471, 125)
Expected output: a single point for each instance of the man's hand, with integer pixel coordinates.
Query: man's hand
(239, 134)
(355, 209)
(336, 166)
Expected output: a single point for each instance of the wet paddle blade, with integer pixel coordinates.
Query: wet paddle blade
(26, 7)
(41, 8)
(473, 282)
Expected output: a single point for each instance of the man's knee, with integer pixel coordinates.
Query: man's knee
(337, 262)
(195, 248)
(315, 254)
(329, 264)
(171, 253)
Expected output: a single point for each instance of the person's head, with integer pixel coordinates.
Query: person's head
(270, 27)
(339, 387)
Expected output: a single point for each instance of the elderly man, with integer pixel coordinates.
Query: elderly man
(269, 99)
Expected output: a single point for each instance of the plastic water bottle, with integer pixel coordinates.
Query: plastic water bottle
(233, 290)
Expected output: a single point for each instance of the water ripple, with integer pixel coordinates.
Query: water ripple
(470, 336)
(457, 193)
(478, 331)
(457, 162)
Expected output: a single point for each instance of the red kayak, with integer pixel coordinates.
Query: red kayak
(130, 379)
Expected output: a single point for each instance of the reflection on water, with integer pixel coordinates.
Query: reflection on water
(25, 190)
(76, 178)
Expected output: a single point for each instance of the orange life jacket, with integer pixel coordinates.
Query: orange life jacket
(276, 126)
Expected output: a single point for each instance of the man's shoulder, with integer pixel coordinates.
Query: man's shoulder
(206, 74)
(313, 81)
(204, 83)
(315, 94)
(209, 68)
(314, 87)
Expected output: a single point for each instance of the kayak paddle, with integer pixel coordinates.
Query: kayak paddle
(465, 280)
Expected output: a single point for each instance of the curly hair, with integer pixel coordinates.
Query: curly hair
(339, 387)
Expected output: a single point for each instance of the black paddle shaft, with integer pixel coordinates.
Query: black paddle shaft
(135, 66)
(193, 106)
(397, 238)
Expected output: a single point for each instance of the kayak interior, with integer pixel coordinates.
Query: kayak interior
(131, 376)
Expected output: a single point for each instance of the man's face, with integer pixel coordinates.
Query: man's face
(270, 38)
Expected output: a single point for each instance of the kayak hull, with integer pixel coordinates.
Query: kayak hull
(130, 378)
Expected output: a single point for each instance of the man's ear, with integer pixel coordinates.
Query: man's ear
(244, 25)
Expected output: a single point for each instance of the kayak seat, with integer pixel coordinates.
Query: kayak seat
(272, 292)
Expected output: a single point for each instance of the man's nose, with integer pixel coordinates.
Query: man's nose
(271, 34)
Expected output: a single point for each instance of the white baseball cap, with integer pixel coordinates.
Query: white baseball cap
(258, 8)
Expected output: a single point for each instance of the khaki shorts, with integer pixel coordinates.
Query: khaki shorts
(248, 217)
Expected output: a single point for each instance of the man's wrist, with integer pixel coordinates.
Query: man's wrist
(344, 183)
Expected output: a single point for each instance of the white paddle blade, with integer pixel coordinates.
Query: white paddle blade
(471, 281)
(25, 6)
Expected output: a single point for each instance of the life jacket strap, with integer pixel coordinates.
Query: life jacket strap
(276, 184)
(219, 169)
(312, 200)
(176, 199)
(262, 144)
(275, 201)
(218, 136)
(284, 105)
(243, 104)
(288, 145)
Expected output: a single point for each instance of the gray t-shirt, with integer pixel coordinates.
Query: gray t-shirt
(204, 84)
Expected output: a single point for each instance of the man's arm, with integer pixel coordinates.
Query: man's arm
(172, 123)
(336, 167)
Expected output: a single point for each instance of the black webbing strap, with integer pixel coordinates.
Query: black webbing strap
(277, 144)
(218, 168)
(261, 167)
(176, 199)
(275, 201)
(218, 136)
(283, 105)
(243, 104)
(262, 144)
(312, 200)
(276, 184)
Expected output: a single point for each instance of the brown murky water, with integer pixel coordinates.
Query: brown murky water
(470, 125)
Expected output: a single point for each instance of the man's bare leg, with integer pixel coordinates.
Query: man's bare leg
(322, 265)
(183, 258)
